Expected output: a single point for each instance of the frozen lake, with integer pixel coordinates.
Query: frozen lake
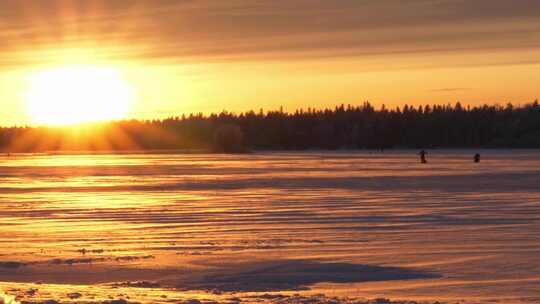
(162, 228)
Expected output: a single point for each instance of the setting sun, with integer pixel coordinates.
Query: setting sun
(77, 94)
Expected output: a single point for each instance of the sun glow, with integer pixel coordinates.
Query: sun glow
(78, 94)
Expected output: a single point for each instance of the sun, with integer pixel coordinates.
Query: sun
(77, 94)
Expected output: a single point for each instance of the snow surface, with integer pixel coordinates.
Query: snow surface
(329, 227)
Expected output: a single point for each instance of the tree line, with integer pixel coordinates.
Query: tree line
(343, 127)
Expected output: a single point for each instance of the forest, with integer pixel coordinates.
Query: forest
(342, 127)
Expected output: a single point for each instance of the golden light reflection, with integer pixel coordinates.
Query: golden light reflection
(77, 94)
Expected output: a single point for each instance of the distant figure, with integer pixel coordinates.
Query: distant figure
(423, 156)
(477, 158)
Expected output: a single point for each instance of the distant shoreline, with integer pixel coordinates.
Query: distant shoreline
(254, 151)
(345, 127)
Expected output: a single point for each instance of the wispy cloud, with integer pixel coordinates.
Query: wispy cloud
(451, 89)
(202, 30)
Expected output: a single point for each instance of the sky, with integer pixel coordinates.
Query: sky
(237, 55)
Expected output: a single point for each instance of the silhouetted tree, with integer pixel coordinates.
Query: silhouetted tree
(351, 127)
(229, 138)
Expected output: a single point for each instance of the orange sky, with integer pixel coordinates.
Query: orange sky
(206, 56)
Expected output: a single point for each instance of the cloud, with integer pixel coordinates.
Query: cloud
(171, 31)
(446, 90)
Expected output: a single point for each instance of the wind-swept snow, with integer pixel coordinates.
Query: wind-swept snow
(162, 228)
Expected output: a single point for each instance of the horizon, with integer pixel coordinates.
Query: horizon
(341, 127)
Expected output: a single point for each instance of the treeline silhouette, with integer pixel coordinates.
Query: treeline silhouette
(349, 127)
